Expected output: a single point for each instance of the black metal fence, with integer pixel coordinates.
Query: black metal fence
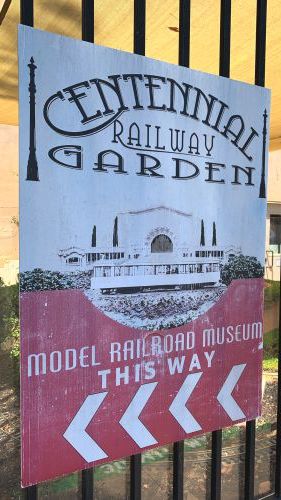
(87, 31)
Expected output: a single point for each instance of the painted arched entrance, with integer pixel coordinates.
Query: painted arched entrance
(161, 244)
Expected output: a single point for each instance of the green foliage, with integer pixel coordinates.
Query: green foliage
(271, 291)
(270, 364)
(239, 267)
(270, 350)
(9, 318)
(270, 343)
(9, 306)
(62, 485)
(13, 329)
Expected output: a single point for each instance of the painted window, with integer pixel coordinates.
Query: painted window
(161, 244)
(73, 260)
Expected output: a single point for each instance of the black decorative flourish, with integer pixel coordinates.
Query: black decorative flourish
(264, 132)
(32, 166)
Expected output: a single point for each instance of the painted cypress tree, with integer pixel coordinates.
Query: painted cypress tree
(115, 232)
(94, 237)
(202, 238)
(214, 240)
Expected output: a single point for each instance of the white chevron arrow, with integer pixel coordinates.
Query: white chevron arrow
(76, 435)
(224, 396)
(178, 408)
(130, 419)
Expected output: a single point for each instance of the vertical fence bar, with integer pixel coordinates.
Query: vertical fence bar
(135, 477)
(27, 18)
(26, 12)
(88, 20)
(249, 485)
(139, 26)
(224, 70)
(278, 434)
(183, 60)
(184, 33)
(225, 31)
(178, 470)
(259, 80)
(139, 48)
(30, 493)
(87, 475)
(87, 490)
(216, 465)
(260, 42)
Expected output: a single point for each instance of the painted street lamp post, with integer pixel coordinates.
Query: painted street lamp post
(32, 167)
(262, 184)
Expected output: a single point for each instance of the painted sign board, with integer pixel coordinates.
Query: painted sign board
(142, 228)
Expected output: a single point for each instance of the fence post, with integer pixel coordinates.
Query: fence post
(88, 6)
(259, 80)
(178, 470)
(216, 465)
(224, 70)
(27, 18)
(183, 60)
(249, 484)
(278, 432)
(139, 48)
(26, 12)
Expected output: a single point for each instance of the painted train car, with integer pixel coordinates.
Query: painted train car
(144, 276)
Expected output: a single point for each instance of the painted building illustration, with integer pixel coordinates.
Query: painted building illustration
(154, 247)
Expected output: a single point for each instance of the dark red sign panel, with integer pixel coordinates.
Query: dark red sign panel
(91, 398)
